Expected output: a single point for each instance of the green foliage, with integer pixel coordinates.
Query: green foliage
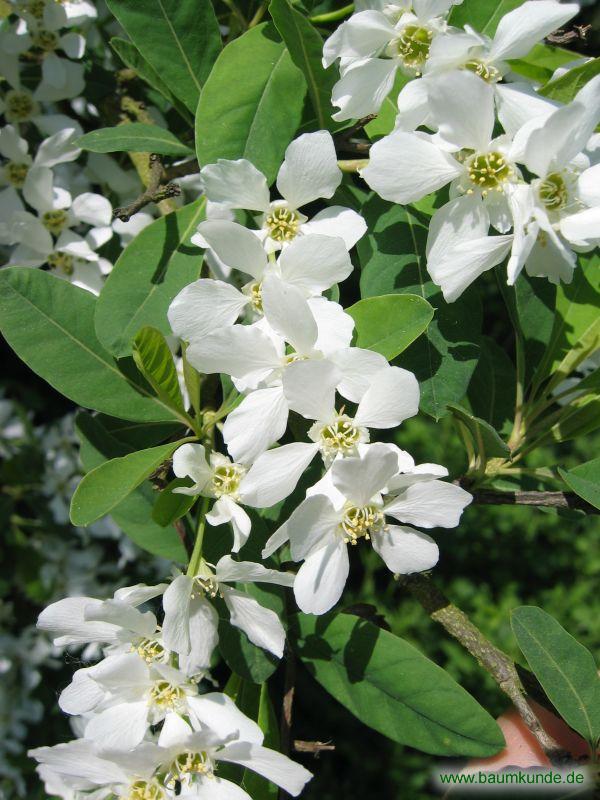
(492, 389)
(566, 87)
(180, 39)
(391, 687)
(107, 485)
(392, 257)
(483, 15)
(157, 264)
(136, 137)
(154, 360)
(305, 47)
(171, 506)
(253, 118)
(484, 440)
(388, 324)
(50, 325)
(563, 666)
(584, 480)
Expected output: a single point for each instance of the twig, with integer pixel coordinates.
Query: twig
(502, 669)
(153, 193)
(312, 747)
(346, 144)
(563, 37)
(547, 499)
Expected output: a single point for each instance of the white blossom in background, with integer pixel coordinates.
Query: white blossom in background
(351, 504)
(309, 172)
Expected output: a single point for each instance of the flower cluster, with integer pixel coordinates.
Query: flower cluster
(514, 161)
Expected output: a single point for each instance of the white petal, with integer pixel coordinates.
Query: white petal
(12, 146)
(229, 571)
(314, 263)
(528, 24)
(359, 479)
(214, 788)
(82, 695)
(588, 186)
(311, 526)
(392, 397)
(518, 103)
(363, 88)
(287, 312)
(275, 474)
(358, 368)
(38, 189)
(334, 326)
(236, 184)
(220, 714)
(309, 388)
(204, 636)
(176, 605)
(582, 227)
(362, 35)
(273, 766)
(405, 167)
(261, 625)
(258, 422)
(139, 593)
(92, 208)
(69, 242)
(189, 460)
(79, 759)
(463, 106)
(53, 71)
(122, 615)
(64, 620)
(203, 307)
(413, 105)
(240, 350)
(235, 246)
(589, 99)
(227, 510)
(430, 505)
(337, 221)
(321, 578)
(120, 727)
(405, 550)
(73, 44)
(309, 170)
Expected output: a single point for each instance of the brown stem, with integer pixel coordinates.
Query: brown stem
(547, 499)
(563, 37)
(502, 669)
(153, 193)
(316, 748)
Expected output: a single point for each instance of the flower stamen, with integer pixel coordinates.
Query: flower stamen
(283, 224)
(360, 521)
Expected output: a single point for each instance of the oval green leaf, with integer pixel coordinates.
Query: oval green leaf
(133, 137)
(154, 360)
(563, 666)
(584, 480)
(251, 105)
(49, 323)
(392, 687)
(151, 270)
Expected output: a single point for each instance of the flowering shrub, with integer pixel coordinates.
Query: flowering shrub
(251, 355)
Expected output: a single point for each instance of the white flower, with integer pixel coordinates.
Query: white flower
(309, 172)
(392, 397)
(54, 150)
(310, 264)
(351, 506)
(373, 45)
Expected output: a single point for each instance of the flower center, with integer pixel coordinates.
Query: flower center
(553, 192)
(226, 479)
(206, 585)
(149, 649)
(283, 224)
(45, 40)
(487, 72)
(166, 696)
(19, 106)
(54, 221)
(62, 262)
(145, 790)
(16, 173)
(340, 436)
(255, 293)
(35, 8)
(413, 45)
(190, 763)
(361, 521)
(488, 171)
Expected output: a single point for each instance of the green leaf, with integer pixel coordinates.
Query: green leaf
(392, 257)
(388, 323)
(251, 104)
(139, 436)
(134, 514)
(154, 360)
(148, 274)
(305, 47)
(486, 441)
(131, 56)
(133, 137)
(170, 506)
(566, 87)
(180, 39)
(493, 387)
(483, 15)
(563, 666)
(392, 687)
(541, 62)
(576, 331)
(49, 323)
(580, 418)
(107, 485)
(584, 480)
